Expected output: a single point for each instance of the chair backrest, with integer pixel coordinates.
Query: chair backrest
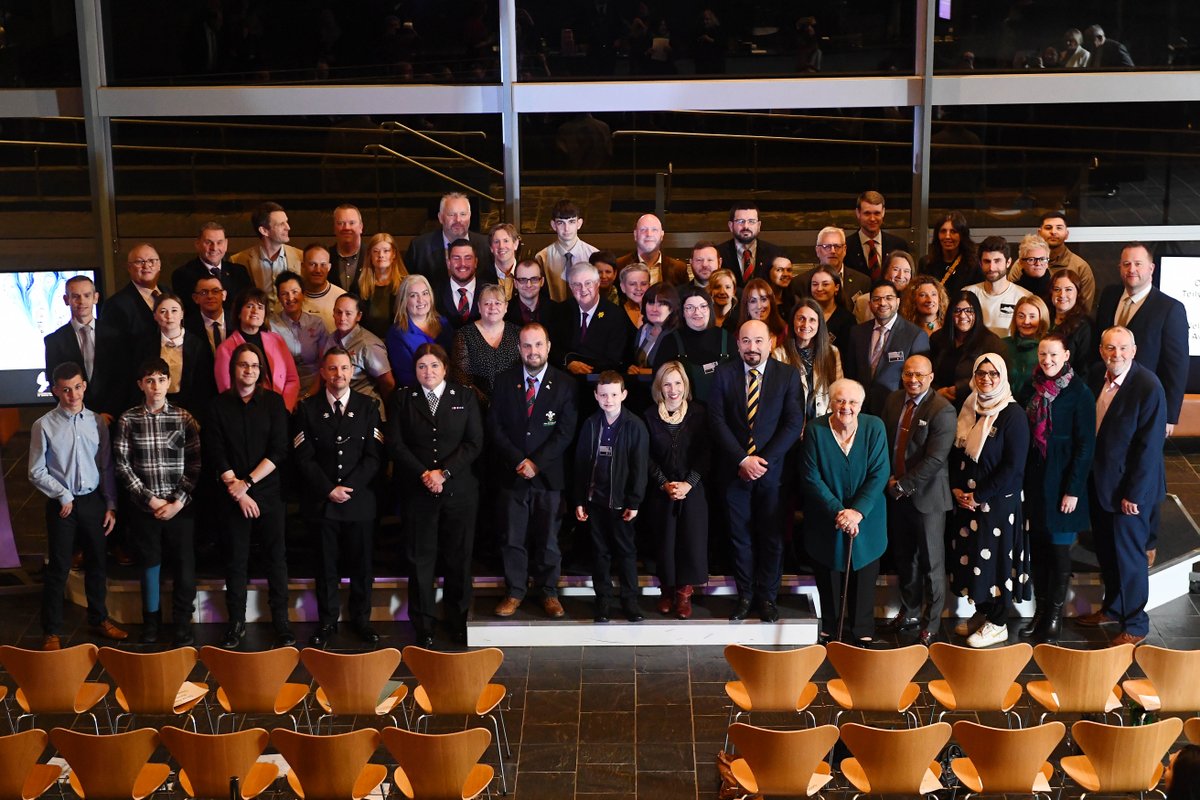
(1126, 759)
(453, 681)
(782, 761)
(1083, 679)
(875, 679)
(149, 682)
(1174, 675)
(352, 682)
(49, 681)
(18, 753)
(437, 765)
(211, 760)
(326, 766)
(251, 680)
(107, 767)
(1008, 760)
(895, 761)
(774, 679)
(1191, 729)
(980, 678)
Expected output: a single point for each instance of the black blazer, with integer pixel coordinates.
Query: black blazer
(764, 254)
(426, 255)
(332, 451)
(778, 426)
(609, 341)
(904, 340)
(418, 440)
(542, 436)
(926, 477)
(1160, 328)
(106, 393)
(127, 315)
(856, 259)
(197, 384)
(1127, 463)
(446, 298)
(234, 277)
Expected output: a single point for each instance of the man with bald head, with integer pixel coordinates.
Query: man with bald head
(920, 427)
(427, 254)
(130, 313)
(756, 414)
(648, 238)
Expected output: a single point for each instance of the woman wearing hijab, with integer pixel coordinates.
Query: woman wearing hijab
(988, 558)
(1062, 421)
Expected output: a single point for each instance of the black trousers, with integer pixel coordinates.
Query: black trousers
(85, 525)
(860, 605)
(918, 544)
(433, 525)
(530, 547)
(352, 540)
(268, 528)
(170, 542)
(756, 521)
(612, 545)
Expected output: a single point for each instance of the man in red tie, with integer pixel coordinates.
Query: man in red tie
(746, 254)
(457, 295)
(867, 248)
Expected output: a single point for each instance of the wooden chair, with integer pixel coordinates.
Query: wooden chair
(771, 680)
(1170, 685)
(1116, 759)
(978, 680)
(1080, 681)
(21, 776)
(894, 761)
(784, 763)
(458, 683)
(112, 767)
(1191, 729)
(255, 683)
(1006, 761)
(154, 683)
(330, 767)
(54, 682)
(440, 766)
(875, 680)
(352, 683)
(208, 762)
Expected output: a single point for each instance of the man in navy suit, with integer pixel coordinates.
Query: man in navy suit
(756, 410)
(745, 254)
(67, 343)
(426, 254)
(879, 347)
(1128, 482)
(531, 423)
(210, 260)
(867, 248)
(457, 294)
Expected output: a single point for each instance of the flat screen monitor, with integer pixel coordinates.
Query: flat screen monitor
(31, 306)
(1179, 277)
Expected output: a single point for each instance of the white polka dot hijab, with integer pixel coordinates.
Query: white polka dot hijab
(980, 410)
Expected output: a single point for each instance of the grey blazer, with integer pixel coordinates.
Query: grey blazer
(926, 474)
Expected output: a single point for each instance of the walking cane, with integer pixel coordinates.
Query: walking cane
(845, 587)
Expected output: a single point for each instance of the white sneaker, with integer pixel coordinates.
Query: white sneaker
(988, 635)
(966, 627)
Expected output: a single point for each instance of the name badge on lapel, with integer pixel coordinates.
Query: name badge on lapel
(921, 423)
(896, 357)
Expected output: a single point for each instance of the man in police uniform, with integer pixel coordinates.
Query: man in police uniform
(339, 448)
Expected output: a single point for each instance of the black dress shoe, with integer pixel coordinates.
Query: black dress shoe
(184, 636)
(458, 634)
(741, 610)
(284, 637)
(365, 632)
(632, 612)
(425, 642)
(900, 623)
(601, 612)
(323, 635)
(768, 611)
(233, 635)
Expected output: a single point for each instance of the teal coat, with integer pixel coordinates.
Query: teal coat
(831, 481)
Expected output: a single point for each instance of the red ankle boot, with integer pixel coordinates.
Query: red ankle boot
(665, 603)
(683, 602)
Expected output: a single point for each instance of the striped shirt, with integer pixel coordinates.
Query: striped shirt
(157, 455)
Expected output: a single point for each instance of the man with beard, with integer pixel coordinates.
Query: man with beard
(745, 254)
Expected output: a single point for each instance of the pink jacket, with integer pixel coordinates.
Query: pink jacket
(284, 378)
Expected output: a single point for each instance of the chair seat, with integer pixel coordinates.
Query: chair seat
(854, 773)
(192, 692)
(1081, 770)
(745, 778)
(489, 698)
(1142, 692)
(88, 695)
(290, 695)
(261, 775)
(368, 780)
(148, 780)
(478, 781)
(1043, 692)
(841, 695)
(736, 690)
(40, 778)
(384, 707)
(964, 768)
(944, 696)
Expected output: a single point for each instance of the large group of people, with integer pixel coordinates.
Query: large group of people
(935, 409)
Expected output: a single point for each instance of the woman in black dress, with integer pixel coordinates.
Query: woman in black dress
(824, 285)
(676, 504)
(954, 347)
(952, 258)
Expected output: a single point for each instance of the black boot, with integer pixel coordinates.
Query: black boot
(1041, 596)
(151, 621)
(1039, 614)
(1051, 624)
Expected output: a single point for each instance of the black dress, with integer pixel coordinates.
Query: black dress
(476, 363)
(679, 452)
(701, 352)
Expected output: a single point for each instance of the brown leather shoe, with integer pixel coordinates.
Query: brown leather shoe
(110, 631)
(51, 642)
(553, 608)
(667, 601)
(1094, 619)
(1125, 637)
(683, 602)
(508, 606)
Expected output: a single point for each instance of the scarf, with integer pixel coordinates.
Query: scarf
(1044, 391)
(669, 418)
(980, 410)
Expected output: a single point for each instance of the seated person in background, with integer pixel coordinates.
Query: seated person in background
(303, 332)
(417, 323)
(251, 309)
(372, 372)
(379, 286)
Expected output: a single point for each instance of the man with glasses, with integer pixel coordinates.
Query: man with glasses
(531, 301)
(597, 334)
(831, 254)
(1054, 231)
(209, 322)
(880, 346)
(648, 236)
(210, 260)
(567, 249)
(997, 295)
(745, 254)
(320, 294)
(130, 313)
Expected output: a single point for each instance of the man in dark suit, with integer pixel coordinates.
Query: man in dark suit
(1106, 53)
(426, 254)
(210, 260)
(129, 314)
(920, 427)
(879, 347)
(210, 322)
(530, 301)
(339, 448)
(756, 411)
(531, 423)
(1128, 482)
(597, 334)
(867, 248)
(745, 254)
(104, 396)
(457, 294)
(831, 254)
(648, 238)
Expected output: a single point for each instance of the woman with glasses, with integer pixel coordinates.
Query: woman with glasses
(697, 344)
(989, 557)
(954, 348)
(952, 258)
(1031, 321)
(1071, 318)
(251, 310)
(1034, 262)
(486, 347)
(814, 356)
(925, 304)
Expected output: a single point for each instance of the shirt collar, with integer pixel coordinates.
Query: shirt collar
(539, 376)
(331, 398)
(75, 326)
(437, 390)
(1141, 294)
(762, 368)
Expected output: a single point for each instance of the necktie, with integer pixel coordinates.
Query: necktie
(464, 308)
(1106, 397)
(530, 396)
(87, 348)
(216, 335)
(582, 325)
(155, 294)
(568, 260)
(752, 392)
(215, 272)
(1126, 311)
(873, 258)
(877, 341)
(910, 407)
(747, 264)
(337, 408)
(433, 401)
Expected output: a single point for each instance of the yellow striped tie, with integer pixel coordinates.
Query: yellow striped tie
(752, 393)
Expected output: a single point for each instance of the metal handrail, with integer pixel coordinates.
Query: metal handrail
(753, 137)
(378, 148)
(400, 126)
(259, 127)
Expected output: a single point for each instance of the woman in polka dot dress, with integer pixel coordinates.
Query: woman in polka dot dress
(989, 554)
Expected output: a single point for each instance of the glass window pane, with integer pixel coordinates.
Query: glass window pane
(39, 47)
(44, 176)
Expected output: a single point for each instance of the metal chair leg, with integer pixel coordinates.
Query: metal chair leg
(500, 758)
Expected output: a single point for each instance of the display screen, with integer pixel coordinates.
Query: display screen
(1179, 277)
(31, 306)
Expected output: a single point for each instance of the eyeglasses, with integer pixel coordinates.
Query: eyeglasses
(987, 374)
(746, 221)
(145, 262)
(208, 292)
(884, 298)
(1031, 260)
(528, 281)
(964, 312)
(910, 376)
(695, 309)
(828, 248)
